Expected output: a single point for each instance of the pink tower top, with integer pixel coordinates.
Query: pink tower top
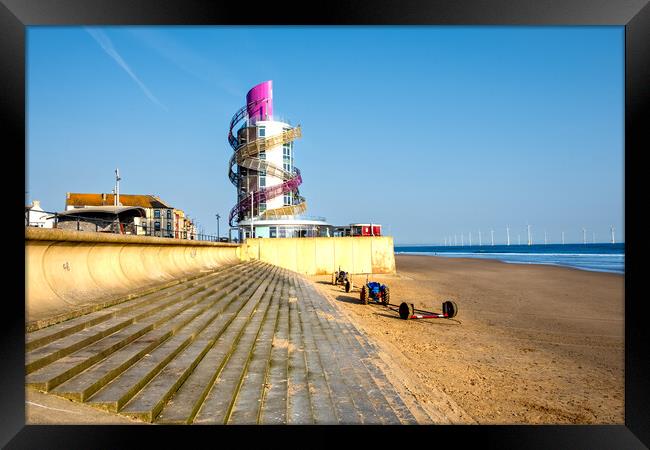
(262, 110)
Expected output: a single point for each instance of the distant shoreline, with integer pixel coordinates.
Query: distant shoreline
(603, 258)
(496, 260)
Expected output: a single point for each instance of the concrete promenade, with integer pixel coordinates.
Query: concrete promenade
(246, 343)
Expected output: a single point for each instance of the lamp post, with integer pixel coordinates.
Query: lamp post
(218, 217)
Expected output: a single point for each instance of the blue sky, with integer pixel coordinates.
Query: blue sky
(428, 130)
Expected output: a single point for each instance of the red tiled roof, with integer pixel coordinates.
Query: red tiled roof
(145, 201)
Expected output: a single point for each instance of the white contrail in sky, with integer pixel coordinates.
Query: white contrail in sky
(104, 41)
(188, 60)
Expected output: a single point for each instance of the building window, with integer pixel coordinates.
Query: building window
(169, 226)
(169, 214)
(262, 181)
(261, 131)
(273, 232)
(263, 155)
(156, 214)
(262, 207)
(287, 199)
(286, 157)
(156, 225)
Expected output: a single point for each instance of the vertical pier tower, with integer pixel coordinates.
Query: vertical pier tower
(262, 170)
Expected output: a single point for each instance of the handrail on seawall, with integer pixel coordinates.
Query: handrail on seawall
(67, 270)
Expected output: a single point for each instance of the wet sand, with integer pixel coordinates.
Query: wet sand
(531, 344)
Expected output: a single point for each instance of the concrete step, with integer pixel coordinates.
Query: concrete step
(323, 405)
(348, 367)
(273, 408)
(391, 408)
(369, 352)
(82, 386)
(299, 405)
(370, 401)
(116, 394)
(226, 362)
(340, 394)
(186, 402)
(49, 334)
(69, 366)
(374, 364)
(59, 348)
(247, 405)
(148, 403)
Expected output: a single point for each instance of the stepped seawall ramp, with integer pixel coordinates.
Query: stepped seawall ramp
(245, 343)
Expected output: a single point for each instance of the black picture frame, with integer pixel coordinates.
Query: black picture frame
(15, 15)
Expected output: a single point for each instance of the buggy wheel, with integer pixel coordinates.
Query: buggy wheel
(405, 311)
(348, 285)
(364, 295)
(385, 299)
(450, 308)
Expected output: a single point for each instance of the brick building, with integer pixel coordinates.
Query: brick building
(161, 219)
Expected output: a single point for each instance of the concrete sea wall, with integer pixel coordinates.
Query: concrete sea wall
(316, 256)
(71, 271)
(67, 270)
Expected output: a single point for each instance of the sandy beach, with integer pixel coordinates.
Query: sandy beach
(531, 344)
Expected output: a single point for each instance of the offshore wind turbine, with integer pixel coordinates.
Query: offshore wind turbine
(563, 238)
(530, 241)
(492, 233)
(544, 237)
(455, 240)
(519, 239)
(462, 240)
(470, 238)
(584, 235)
(508, 234)
(479, 238)
(613, 238)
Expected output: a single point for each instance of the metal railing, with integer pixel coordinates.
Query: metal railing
(115, 226)
(247, 155)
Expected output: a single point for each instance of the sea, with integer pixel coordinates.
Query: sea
(593, 257)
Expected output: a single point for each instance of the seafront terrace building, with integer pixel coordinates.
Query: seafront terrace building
(157, 217)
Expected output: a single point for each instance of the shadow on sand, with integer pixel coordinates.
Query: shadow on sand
(348, 299)
(445, 322)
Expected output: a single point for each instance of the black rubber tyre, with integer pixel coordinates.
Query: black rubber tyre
(364, 295)
(450, 308)
(385, 299)
(348, 285)
(405, 311)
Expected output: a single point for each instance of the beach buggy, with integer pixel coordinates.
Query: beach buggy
(375, 291)
(341, 277)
